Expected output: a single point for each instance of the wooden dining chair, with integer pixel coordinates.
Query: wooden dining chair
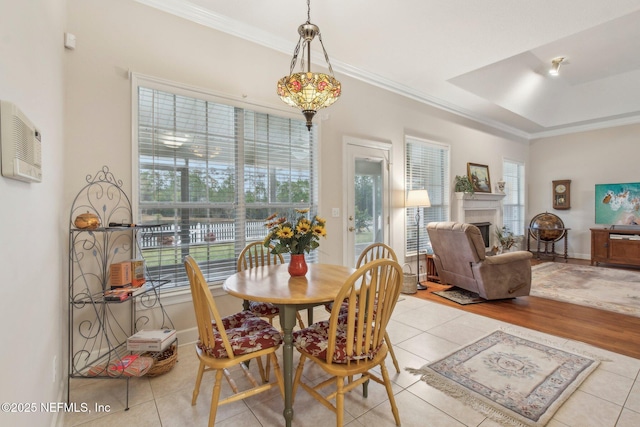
(257, 255)
(372, 252)
(229, 341)
(352, 341)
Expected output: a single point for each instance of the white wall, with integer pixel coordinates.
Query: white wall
(128, 37)
(586, 158)
(32, 216)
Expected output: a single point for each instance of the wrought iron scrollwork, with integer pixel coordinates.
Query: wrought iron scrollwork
(99, 328)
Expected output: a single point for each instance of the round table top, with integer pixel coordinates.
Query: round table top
(274, 284)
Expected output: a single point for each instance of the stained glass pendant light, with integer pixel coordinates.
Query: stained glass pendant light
(306, 90)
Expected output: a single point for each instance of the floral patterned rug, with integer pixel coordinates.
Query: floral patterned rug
(511, 380)
(608, 289)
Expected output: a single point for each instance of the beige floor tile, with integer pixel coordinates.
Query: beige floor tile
(110, 394)
(608, 386)
(633, 401)
(421, 331)
(175, 409)
(585, 410)
(142, 415)
(427, 318)
(399, 331)
(446, 404)
(414, 412)
(428, 346)
(629, 418)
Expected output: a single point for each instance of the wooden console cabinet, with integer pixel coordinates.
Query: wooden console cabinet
(615, 246)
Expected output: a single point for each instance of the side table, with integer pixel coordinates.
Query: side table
(432, 273)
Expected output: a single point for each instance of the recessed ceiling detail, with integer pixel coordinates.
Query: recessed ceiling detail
(486, 62)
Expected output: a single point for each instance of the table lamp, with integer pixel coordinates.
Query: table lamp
(418, 199)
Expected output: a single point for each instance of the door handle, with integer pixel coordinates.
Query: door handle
(352, 229)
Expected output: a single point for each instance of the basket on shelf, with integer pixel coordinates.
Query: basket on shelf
(163, 361)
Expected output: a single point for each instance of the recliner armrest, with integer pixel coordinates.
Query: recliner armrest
(509, 257)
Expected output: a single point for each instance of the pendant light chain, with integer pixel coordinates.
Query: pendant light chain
(326, 55)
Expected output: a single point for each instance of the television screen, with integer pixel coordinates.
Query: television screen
(618, 204)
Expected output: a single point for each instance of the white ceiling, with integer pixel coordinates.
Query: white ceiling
(485, 60)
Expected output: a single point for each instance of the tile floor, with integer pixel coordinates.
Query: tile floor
(421, 331)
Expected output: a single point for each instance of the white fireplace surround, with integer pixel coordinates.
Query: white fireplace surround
(480, 207)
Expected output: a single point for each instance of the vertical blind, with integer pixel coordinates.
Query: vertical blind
(426, 167)
(513, 203)
(209, 174)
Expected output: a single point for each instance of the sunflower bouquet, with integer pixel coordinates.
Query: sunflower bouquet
(298, 238)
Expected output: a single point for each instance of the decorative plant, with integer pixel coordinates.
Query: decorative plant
(505, 237)
(296, 239)
(462, 184)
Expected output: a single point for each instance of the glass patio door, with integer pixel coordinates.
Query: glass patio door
(367, 202)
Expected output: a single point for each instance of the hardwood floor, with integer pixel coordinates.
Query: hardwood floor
(604, 329)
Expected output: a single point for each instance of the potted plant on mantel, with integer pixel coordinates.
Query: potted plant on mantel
(463, 185)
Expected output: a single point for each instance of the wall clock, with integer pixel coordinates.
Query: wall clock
(562, 194)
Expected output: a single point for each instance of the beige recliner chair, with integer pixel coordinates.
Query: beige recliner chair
(460, 258)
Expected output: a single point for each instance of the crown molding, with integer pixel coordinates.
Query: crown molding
(195, 13)
(602, 124)
(187, 10)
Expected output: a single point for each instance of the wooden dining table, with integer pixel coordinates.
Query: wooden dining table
(274, 284)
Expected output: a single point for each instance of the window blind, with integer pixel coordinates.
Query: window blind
(209, 174)
(513, 202)
(427, 167)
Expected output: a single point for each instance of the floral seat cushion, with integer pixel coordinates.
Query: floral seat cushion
(313, 341)
(329, 306)
(344, 307)
(246, 332)
(263, 309)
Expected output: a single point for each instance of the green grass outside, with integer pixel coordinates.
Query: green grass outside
(173, 255)
(364, 237)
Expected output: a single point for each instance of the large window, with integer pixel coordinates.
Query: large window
(513, 203)
(427, 167)
(210, 173)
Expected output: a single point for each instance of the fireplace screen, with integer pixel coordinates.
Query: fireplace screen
(484, 230)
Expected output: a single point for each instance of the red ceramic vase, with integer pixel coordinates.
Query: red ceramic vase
(297, 265)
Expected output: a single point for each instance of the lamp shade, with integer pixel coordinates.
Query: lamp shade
(417, 198)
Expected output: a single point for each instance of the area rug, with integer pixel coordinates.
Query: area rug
(461, 296)
(509, 379)
(608, 289)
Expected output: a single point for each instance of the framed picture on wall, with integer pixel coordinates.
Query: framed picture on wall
(479, 177)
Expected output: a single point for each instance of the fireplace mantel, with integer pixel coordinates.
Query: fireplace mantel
(479, 207)
(478, 201)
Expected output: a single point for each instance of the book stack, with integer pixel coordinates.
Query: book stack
(151, 340)
(118, 294)
(123, 293)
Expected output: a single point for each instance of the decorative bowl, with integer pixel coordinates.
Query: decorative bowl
(87, 221)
